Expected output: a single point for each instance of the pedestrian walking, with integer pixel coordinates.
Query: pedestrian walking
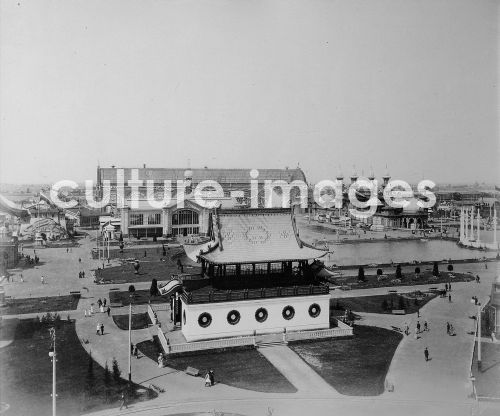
(22, 278)
(448, 328)
(79, 260)
(42, 279)
(426, 353)
(91, 308)
(104, 302)
(212, 377)
(98, 329)
(418, 326)
(135, 353)
(207, 380)
(426, 327)
(99, 302)
(67, 249)
(102, 329)
(449, 298)
(418, 313)
(416, 333)
(108, 311)
(449, 287)
(83, 274)
(124, 402)
(102, 308)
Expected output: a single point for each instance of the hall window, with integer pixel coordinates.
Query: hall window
(136, 219)
(154, 218)
(185, 216)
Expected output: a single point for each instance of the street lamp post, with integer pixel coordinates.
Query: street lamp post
(130, 340)
(52, 354)
(479, 336)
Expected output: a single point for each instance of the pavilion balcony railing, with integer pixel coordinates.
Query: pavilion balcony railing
(214, 296)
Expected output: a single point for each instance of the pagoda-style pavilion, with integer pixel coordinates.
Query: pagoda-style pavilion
(257, 279)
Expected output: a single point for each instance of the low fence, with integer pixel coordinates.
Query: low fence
(163, 341)
(152, 315)
(320, 333)
(212, 344)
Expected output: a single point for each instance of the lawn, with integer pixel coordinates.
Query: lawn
(26, 380)
(243, 368)
(375, 304)
(353, 366)
(150, 266)
(139, 321)
(44, 304)
(140, 297)
(488, 378)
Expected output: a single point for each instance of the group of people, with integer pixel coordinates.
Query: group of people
(102, 308)
(81, 275)
(210, 378)
(99, 329)
(418, 329)
(449, 329)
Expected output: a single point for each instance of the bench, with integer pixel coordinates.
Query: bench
(399, 312)
(192, 371)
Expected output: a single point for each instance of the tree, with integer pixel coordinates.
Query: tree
(361, 274)
(153, 291)
(380, 272)
(90, 378)
(435, 269)
(399, 275)
(107, 380)
(417, 270)
(450, 267)
(131, 289)
(116, 370)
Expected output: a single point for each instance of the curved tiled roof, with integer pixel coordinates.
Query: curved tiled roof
(223, 176)
(258, 236)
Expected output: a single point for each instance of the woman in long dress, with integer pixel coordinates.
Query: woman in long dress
(207, 380)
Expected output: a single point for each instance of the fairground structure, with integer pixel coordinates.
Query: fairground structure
(470, 230)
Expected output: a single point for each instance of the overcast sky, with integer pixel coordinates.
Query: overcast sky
(258, 84)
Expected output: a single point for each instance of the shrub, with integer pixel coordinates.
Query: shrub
(153, 291)
(361, 274)
(399, 275)
(131, 289)
(379, 272)
(417, 270)
(435, 269)
(116, 371)
(450, 267)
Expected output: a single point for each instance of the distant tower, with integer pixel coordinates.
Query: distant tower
(354, 176)
(386, 177)
(371, 177)
(188, 178)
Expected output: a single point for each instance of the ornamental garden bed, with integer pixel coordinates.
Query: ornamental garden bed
(139, 321)
(410, 302)
(41, 305)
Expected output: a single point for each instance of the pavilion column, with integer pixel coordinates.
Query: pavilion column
(478, 226)
(466, 224)
(495, 226)
(461, 224)
(471, 223)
